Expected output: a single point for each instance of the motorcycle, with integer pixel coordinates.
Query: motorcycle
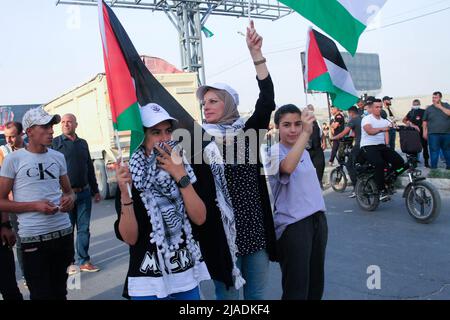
(422, 199)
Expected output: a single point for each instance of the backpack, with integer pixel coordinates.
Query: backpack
(410, 141)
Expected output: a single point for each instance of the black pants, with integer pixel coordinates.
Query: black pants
(318, 160)
(334, 150)
(45, 264)
(301, 251)
(426, 154)
(351, 164)
(378, 156)
(8, 283)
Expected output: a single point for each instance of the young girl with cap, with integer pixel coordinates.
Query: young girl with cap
(165, 260)
(238, 237)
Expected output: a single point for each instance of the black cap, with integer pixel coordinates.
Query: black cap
(369, 100)
(353, 109)
(387, 98)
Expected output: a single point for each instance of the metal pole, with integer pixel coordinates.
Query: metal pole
(329, 107)
(187, 37)
(201, 61)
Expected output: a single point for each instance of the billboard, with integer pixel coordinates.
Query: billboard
(13, 113)
(364, 68)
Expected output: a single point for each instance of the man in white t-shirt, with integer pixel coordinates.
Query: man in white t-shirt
(37, 176)
(374, 144)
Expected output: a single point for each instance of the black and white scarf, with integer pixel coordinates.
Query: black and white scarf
(164, 204)
(224, 134)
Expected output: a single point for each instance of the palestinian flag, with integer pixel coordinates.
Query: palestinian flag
(343, 20)
(326, 71)
(130, 83)
(208, 33)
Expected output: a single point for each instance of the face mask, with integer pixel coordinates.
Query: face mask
(415, 107)
(366, 113)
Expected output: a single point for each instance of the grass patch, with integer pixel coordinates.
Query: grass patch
(439, 173)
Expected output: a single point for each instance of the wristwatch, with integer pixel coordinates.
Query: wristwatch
(6, 224)
(184, 182)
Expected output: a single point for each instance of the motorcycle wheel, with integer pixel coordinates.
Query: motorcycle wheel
(367, 194)
(338, 180)
(423, 202)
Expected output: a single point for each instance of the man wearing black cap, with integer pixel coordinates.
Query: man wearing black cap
(387, 113)
(42, 199)
(353, 125)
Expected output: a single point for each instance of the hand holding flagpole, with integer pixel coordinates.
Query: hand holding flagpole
(119, 148)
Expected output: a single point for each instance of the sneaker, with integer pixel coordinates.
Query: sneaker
(384, 196)
(352, 195)
(72, 269)
(330, 164)
(89, 267)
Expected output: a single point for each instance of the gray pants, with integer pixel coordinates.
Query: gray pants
(301, 251)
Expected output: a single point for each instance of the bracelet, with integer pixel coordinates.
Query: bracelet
(263, 60)
(127, 204)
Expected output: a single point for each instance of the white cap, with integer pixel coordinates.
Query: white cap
(221, 86)
(38, 117)
(152, 114)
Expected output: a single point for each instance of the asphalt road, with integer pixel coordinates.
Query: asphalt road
(413, 259)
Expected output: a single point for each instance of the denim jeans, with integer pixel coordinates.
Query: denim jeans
(255, 269)
(80, 217)
(45, 264)
(8, 283)
(438, 142)
(193, 294)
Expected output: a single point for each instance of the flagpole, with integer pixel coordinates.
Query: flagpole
(122, 164)
(329, 107)
(305, 72)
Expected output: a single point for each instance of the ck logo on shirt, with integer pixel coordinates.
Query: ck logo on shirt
(43, 171)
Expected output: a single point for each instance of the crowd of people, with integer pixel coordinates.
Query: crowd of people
(373, 124)
(187, 222)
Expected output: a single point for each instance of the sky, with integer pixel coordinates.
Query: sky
(47, 50)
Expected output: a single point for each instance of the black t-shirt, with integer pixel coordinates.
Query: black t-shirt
(355, 125)
(339, 118)
(415, 116)
(315, 139)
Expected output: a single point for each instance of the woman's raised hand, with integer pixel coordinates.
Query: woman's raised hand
(254, 41)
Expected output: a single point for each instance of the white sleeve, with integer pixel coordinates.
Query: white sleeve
(8, 168)
(364, 121)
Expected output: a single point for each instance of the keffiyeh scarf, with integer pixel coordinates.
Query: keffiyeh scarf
(224, 134)
(164, 204)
